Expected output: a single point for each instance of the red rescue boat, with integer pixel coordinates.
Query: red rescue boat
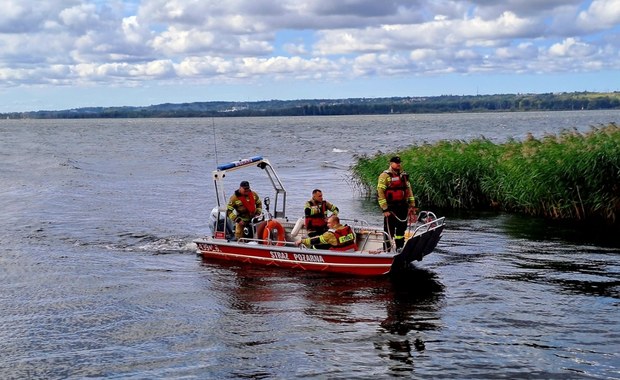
(270, 238)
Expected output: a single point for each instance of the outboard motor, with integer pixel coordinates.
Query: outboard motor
(221, 223)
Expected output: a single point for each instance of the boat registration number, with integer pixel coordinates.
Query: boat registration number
(208, 247)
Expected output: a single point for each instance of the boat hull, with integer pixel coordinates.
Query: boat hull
(417, 247)
(317, 260)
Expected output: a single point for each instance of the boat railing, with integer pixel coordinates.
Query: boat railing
(362, 227)
(431, 222)
(255, 241)
(371, 239)
(358, 222)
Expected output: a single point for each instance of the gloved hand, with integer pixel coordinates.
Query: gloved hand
(413, 214)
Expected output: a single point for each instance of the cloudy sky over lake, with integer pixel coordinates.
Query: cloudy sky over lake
(62, 54)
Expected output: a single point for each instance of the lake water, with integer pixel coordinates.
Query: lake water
(100, 279)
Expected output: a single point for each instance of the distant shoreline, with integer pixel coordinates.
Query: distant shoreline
(565, 101)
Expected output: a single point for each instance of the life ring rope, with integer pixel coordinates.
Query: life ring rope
(271, 226)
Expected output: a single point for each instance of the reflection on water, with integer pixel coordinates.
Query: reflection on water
(400, 307)
(416, 297)
(538, 228)
(533, 228)
(574, 270)
(579, 261)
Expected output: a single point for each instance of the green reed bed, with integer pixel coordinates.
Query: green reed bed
(567, 176)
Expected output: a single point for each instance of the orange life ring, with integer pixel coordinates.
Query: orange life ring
(271, 226)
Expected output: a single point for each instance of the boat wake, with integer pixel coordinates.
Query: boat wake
(334, 165)
(156, 245)
(44, 233)
(147, 243)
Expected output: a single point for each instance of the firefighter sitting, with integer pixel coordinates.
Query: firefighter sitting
(338, 237)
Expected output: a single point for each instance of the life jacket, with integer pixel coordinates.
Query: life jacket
(318, 221)
(345, 238)
(248, 202)
(396, 191)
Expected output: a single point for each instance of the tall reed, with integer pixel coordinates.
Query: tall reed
(571, 175)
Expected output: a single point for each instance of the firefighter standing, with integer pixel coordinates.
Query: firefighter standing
(396, 201)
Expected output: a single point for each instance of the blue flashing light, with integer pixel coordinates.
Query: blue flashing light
(242, 162)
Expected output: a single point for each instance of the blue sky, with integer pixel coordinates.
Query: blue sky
(80, 53)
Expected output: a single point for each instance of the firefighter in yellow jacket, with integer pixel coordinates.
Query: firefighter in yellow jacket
(244, 205)
(396, 201)
(315, 211)
(338, 237)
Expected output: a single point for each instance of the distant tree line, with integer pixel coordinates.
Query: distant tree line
(351, 106)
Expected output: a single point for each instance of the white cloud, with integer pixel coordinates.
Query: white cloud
(600, 15)
(423, 54)
(174, 41)
(432, 34)
(79, 18)
(295, 49)
(133, 32)
(77, 42)
(571, 47)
